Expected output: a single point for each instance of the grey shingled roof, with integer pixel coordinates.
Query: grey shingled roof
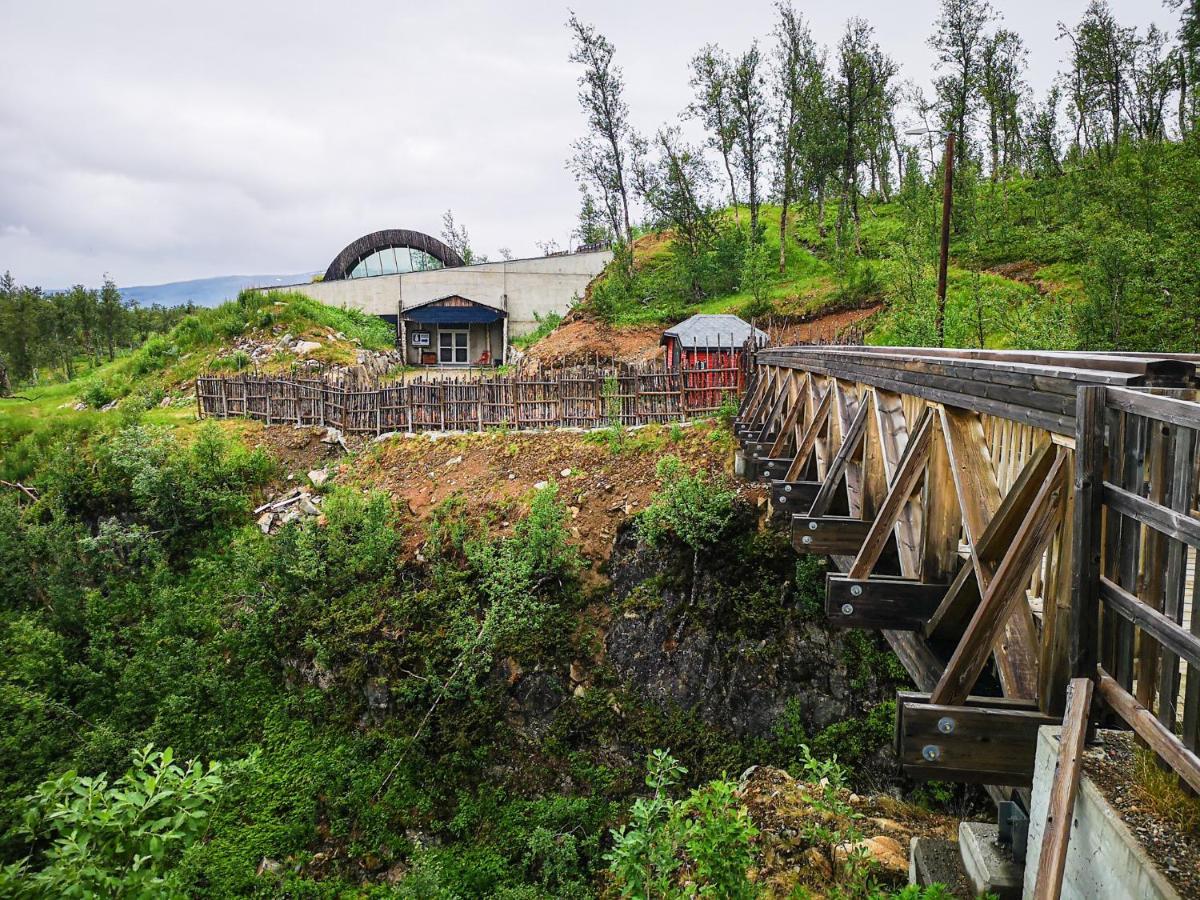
(711, 330)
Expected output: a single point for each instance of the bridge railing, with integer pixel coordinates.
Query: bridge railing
(1137, 626)
(1008, 520)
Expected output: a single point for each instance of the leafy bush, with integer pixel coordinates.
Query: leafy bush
(694, 508)
(708, 835)
(756, 276)
(90, 837)
(155, 354)
(545, 325)
(99, 392)
(237, 361)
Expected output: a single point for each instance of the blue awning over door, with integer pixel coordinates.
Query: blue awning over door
(454, 315)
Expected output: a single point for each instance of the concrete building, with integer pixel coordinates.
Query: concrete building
(445, 312)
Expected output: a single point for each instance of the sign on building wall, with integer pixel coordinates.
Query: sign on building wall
(420, 338)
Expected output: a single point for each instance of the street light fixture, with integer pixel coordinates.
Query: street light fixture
(947, 205)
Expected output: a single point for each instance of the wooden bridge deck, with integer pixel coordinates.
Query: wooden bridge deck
(1009, 521)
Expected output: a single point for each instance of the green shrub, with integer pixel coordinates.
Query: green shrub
(709, 833)
(694, 508)
(99, 392)
(90, 837)
(237, 361)
(154, 355)
(545, 325)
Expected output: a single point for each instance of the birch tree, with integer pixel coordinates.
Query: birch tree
(601, 96)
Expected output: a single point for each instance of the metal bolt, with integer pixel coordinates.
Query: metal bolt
(931, 753)
(812, 526)
(856, 590)
(946, 725)
(788, 488)
(783, 499)
(847, 609)
(806, 540)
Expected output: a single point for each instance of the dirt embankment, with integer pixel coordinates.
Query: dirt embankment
(821, 328)
(578, 341)
(602, 478)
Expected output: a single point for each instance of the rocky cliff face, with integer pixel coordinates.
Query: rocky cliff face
(729, 639)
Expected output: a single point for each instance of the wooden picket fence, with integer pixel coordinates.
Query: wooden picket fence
(588, 396)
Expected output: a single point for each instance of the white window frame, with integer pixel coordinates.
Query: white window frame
(453, 348)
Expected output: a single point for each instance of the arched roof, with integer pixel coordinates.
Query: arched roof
(356, 251)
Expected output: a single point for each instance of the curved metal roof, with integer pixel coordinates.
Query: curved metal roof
(356, 251)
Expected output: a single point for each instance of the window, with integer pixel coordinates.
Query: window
(393, 260)
(452, 347)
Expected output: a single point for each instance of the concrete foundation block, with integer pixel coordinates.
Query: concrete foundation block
(1105, 861)
(990, 867)
(936, 861)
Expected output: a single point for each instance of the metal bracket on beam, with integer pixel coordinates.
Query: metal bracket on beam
(832, 535)
(770, 468)
(793, 497)
(899, 604)
(990, 740)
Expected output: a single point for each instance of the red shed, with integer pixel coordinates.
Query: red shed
(708, 341)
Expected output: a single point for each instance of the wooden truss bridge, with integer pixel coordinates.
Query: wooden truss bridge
(1016, 524)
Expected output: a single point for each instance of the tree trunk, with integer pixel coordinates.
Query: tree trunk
(737, 218)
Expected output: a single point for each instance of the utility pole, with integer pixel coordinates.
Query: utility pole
(943, 263)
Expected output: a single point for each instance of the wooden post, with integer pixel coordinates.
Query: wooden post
(1061, 804)
(1087, 534)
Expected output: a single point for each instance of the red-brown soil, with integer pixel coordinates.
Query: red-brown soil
(495, 472)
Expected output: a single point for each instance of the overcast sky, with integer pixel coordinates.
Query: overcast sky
(163, 141)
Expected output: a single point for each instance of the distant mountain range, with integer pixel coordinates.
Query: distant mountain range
(206, 291)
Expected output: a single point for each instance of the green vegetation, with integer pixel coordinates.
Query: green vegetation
(688, 506)
(123, 839)
(1072, 222)
(161, 367)
(709, 832)
(356, 694)
(545, 325)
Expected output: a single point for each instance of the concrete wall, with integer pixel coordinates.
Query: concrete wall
(541, 285)
(1104, 859)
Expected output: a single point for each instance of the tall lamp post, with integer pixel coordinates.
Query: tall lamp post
(947, 206)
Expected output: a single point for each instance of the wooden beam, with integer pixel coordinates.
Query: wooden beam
(1181, 642)
(831, 535)
(1087, 531)
(880, 602)
(891, 426)
(923, 666)
(909, 472)
(980, 498)
(849, 404)
(1183, 488)
(1005, 590)
(942, 520)
(805, 447)
(788, 427)
(1178, 525)
(1060, 807)
(1163, 742)
(968, 743)
(851, 438)
(963, 597)
(793, 496)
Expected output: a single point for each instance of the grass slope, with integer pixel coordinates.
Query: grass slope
(166, 365)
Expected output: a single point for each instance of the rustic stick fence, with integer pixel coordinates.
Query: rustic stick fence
(588, 396)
